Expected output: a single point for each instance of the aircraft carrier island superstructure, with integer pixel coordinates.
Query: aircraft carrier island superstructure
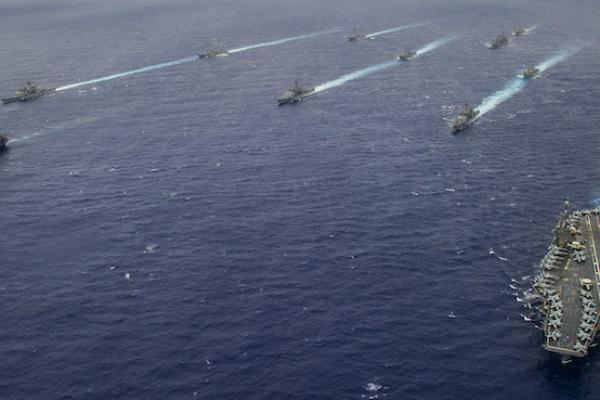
(569, 282)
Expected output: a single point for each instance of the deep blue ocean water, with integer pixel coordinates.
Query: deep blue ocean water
(176, 235)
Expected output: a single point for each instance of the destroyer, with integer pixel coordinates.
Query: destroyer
(499, 41)
(519, 31)
(356, 36)
(464, 119)
(214, 53)
(295, 94)
(406, 55)
(530, 71)
(568, 284)
(27, 92)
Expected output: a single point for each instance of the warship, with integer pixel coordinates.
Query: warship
(3, 141)
(406, 55)
(519, 31)
(214, 53)
(356, 36)
(530, 71)
(295, 94)
(464, 119)
(569, 282)
(27, 92)
(499, 41)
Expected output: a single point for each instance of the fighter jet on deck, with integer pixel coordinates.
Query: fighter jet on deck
(580, 348)
(554, 323)
(554, 335)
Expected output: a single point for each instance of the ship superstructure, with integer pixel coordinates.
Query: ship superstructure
(356, 36)
(29, 91)
(464, 119)
(500, 41)
(407, 55)
(530, 72)
(295, 94)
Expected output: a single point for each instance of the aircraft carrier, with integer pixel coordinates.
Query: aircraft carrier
(569, 283)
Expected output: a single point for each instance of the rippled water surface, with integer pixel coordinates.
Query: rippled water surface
(173, 234)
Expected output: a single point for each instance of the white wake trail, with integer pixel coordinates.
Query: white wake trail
(186, 60)
(492, 101)
(62, 126)
(517, 84)
(281, 41)
(552, 61)
(434, 45)
(127, 73)
(399, 28)
(377, 67)
(354, 75)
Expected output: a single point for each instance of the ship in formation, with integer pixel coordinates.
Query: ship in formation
(530, 72)
(356, 36)
(567, 284)
(500, 41)
(406, 55)
(464, 119)
(214, 53)
(29, 91)
(520, 31)
(295, 94)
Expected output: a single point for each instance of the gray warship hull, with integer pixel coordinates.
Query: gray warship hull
(28, 97)
(359, 37)
(407, 56)
(463, 122)
(294, 99)
(530, 74)
(460, 128)
(569, 282)
(498, 42)
(212, 53)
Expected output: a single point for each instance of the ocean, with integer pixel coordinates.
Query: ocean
(174, 234)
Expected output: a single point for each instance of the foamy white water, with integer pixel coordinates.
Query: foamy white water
(517, 84)
(128, 73)
(492, 101)
(281, 41)
(552, 61)
(187, 60)
(399, 28)
(377, 67)
(434, 45)
(56, 127)
(354, 75)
